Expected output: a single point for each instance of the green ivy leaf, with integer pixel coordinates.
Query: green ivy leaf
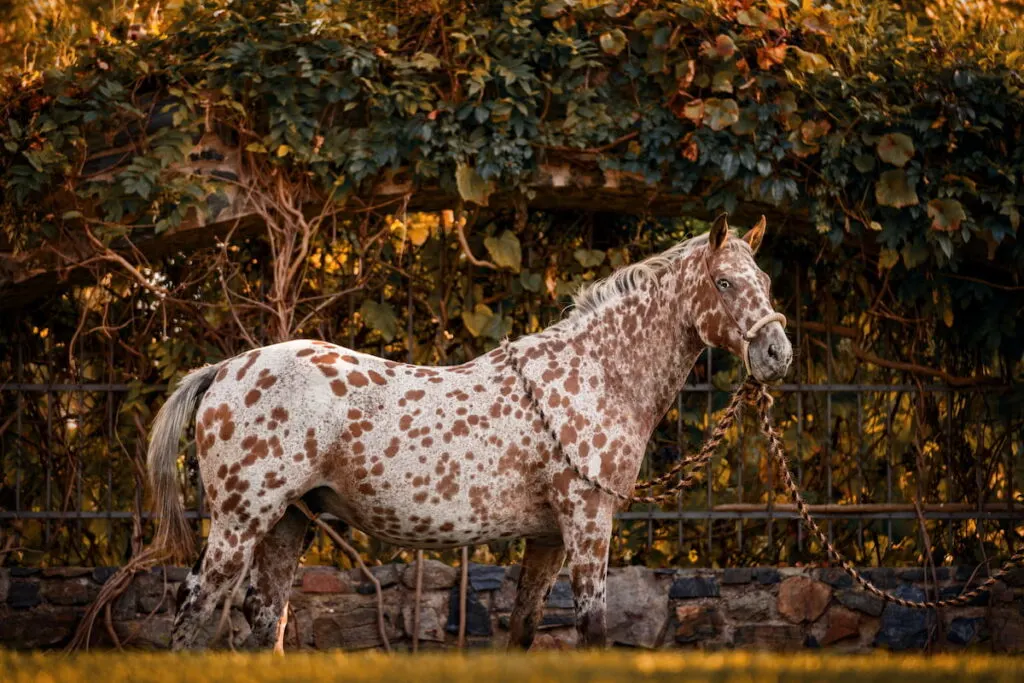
(894, 189)
(472, 187)
(896, 149)
(589, 258)
(380, 317)
(946, 214)
(864, 162)
(505, 251)
(483, 322)
(531, 282)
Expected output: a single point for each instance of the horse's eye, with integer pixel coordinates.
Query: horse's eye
(724, 284)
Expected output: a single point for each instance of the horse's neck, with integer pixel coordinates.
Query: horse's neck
(645, 346)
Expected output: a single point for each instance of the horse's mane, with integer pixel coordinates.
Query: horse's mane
(632, 277)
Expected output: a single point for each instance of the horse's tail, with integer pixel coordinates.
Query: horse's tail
(174, 535)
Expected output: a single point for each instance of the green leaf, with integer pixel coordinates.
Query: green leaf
(483, 322)
(894, 189)
(721, 114)
(505, 251)
(380, 317)
(531, 282)
(888, 258)
(613, 42)
(425, 61)
(589, 258)
(946, 214)
(864, 162)
(896, 149)
(472, 187)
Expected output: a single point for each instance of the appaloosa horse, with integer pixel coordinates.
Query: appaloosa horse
(452, 456)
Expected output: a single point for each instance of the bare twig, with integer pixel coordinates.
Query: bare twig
(337, 538)
(463, 591)
(416, 602)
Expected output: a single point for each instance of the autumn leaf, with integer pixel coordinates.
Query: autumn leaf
(694, 110)
(893, 188)
(721, 113)
(505, 251)
(767, 57)
(722, 48)
(613, 42)
(895, 148)
(380, 317)
(810, 62)
(756, 19)
(946, 214)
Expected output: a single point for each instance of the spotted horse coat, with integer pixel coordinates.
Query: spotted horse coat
(450, 456)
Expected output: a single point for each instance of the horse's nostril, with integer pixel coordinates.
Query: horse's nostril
(773, 352)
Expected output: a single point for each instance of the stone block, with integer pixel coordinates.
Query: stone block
(835, 577)
(486, 577)
(70, 591)
(694, 587)
(767, 576)
(697, 622)
(560, 596)
(802, 599)
(102, 574)
(325, 581)
(905, 628)
(41, 628)
(478, 619)
(1007, 630)
(637, 607)
(66, 572)
(842, 624)
(436, 575)
(965, 631)
(861, 601)
(777, 637)
(23, 594)
(431, 625)
(737, 575)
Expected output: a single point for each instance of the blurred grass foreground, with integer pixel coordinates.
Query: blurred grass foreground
(563, 667)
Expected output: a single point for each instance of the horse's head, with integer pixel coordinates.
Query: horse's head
(734, 305)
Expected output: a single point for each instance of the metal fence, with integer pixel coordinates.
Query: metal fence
(893, 467)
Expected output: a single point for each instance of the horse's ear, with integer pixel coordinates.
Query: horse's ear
(719, 232)
(755, 235)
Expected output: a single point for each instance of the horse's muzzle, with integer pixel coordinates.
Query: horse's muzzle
(769, 353)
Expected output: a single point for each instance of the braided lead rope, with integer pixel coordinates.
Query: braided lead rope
(776, 451)
(747, 392)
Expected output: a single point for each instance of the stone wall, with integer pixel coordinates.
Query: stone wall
(778, 609)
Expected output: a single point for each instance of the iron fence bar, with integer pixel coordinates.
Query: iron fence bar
(799, 403)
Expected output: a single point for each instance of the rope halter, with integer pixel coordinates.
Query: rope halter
(751, 334)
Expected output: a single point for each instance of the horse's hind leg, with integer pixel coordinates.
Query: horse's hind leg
(222, 567)
(274, 562)
(541, 563)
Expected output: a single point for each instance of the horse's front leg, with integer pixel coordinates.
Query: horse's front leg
(587, 533)
(543, 559)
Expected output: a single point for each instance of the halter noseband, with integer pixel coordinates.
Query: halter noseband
(752, 332)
